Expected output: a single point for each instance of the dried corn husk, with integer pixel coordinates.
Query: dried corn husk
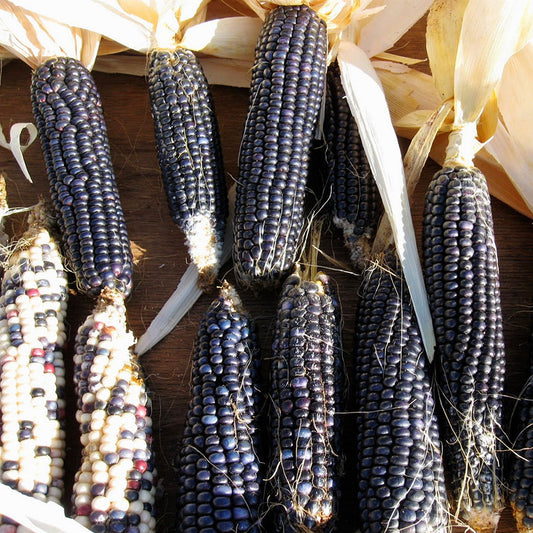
(457, 55)
(412, 95)
(36, 38)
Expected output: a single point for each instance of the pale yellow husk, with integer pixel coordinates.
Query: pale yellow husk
(36, 38)
(412, 96)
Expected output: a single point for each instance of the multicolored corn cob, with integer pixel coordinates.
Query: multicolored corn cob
(219, 481)
(307, 387)
(190, 155)
(33, 305)
(68, 114)
(399, 471)
(288, 82)
(356, 203)
(114, 488)
(461, 274)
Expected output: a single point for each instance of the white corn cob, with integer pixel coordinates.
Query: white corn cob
(115, 483)
(33, 304)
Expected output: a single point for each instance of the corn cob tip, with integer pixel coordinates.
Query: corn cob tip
(359, 246)
(483, 520)
(520, 516)
(204, 249)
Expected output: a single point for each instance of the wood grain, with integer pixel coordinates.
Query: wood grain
(160, 256)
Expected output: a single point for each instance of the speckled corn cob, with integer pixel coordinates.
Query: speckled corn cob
(219, 484)
(288, 81)
(306, 392)
(68, 113)
(355, 196)
(114, 487)
(399, 472)
(461, 274)
(32, 375)
(190, 155)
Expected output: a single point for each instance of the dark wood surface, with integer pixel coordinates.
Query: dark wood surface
(160, 255)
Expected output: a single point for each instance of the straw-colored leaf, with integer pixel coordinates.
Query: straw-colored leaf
(16, 146)
(36, 516)
(35, 38)
(418, 151)
(515, 161)
(443, 32)
(407, 91)
(232, 37)
(388, 25)
(515, 105)
(395, 58)
(106, 17)
(369, 107)
(504, 26)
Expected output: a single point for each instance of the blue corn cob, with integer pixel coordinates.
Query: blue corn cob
(521, 468)
(68, 113)
(288, 81)
(306, 391)
(461, 274)
(356, 204)
(399, 472)
(190, 155)
(219, 483)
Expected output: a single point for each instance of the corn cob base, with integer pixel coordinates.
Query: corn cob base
(190, 155)
(461, 273)
(114, 488)
(32, 377)
(219, 482)
(307, 386)
(400, 476)
(68, 114)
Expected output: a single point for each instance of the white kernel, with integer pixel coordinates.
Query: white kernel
(100, 503)
(100, 477)
(82, 499)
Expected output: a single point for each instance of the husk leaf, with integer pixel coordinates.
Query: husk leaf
(384, 28)
(368, 105)
(505, 27)
(35, 38)
(141, 25)
(36, 516)
(16, 147)
(231, 37)
(443, 31)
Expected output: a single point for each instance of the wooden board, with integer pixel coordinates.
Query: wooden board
(160, 256)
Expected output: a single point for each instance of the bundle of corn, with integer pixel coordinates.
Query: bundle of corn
(399, 471)
(307, 388)
(114, 487)
(354, 192)
(217, 462)
(33, 305)
(68, 113)
(459, 252)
